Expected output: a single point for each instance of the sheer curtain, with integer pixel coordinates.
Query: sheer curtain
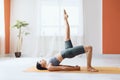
(2, 31)
(50, 29)
(46, 25)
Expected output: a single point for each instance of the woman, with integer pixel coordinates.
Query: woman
(69, 52)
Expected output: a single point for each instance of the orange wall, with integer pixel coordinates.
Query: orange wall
(7, 25)
(111, 26)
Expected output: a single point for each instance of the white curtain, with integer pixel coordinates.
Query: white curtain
(2, 31)
(50, 25)
(46, 25)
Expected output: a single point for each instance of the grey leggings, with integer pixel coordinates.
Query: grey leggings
(71, 51)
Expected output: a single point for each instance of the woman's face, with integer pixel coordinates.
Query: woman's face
(43, 63)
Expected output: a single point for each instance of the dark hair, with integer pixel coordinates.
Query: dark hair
(39, 67)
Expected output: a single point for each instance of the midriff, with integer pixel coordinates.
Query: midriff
(59, 57)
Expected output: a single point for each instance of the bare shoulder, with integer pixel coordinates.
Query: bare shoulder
(49, 66)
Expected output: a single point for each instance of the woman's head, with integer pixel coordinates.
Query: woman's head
(41, 65)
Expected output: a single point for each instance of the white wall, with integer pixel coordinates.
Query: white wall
(24, 10)
(2, 30)
(93, 24)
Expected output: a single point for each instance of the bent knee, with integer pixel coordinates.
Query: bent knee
(88, 48)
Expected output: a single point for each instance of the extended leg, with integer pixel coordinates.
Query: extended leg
(88, 50)
(67, 27)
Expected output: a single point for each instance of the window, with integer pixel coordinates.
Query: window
(51, 19)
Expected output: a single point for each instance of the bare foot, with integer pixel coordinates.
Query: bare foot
(91, 69)
(65, 14)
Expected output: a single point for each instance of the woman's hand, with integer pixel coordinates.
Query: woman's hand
(77, 67)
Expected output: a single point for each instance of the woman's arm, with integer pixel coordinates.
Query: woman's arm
(67, 65)
(63, 68)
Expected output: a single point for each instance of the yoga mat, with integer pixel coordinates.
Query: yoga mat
(102, 70)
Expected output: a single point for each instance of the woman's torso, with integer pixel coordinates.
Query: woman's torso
(56, 60)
